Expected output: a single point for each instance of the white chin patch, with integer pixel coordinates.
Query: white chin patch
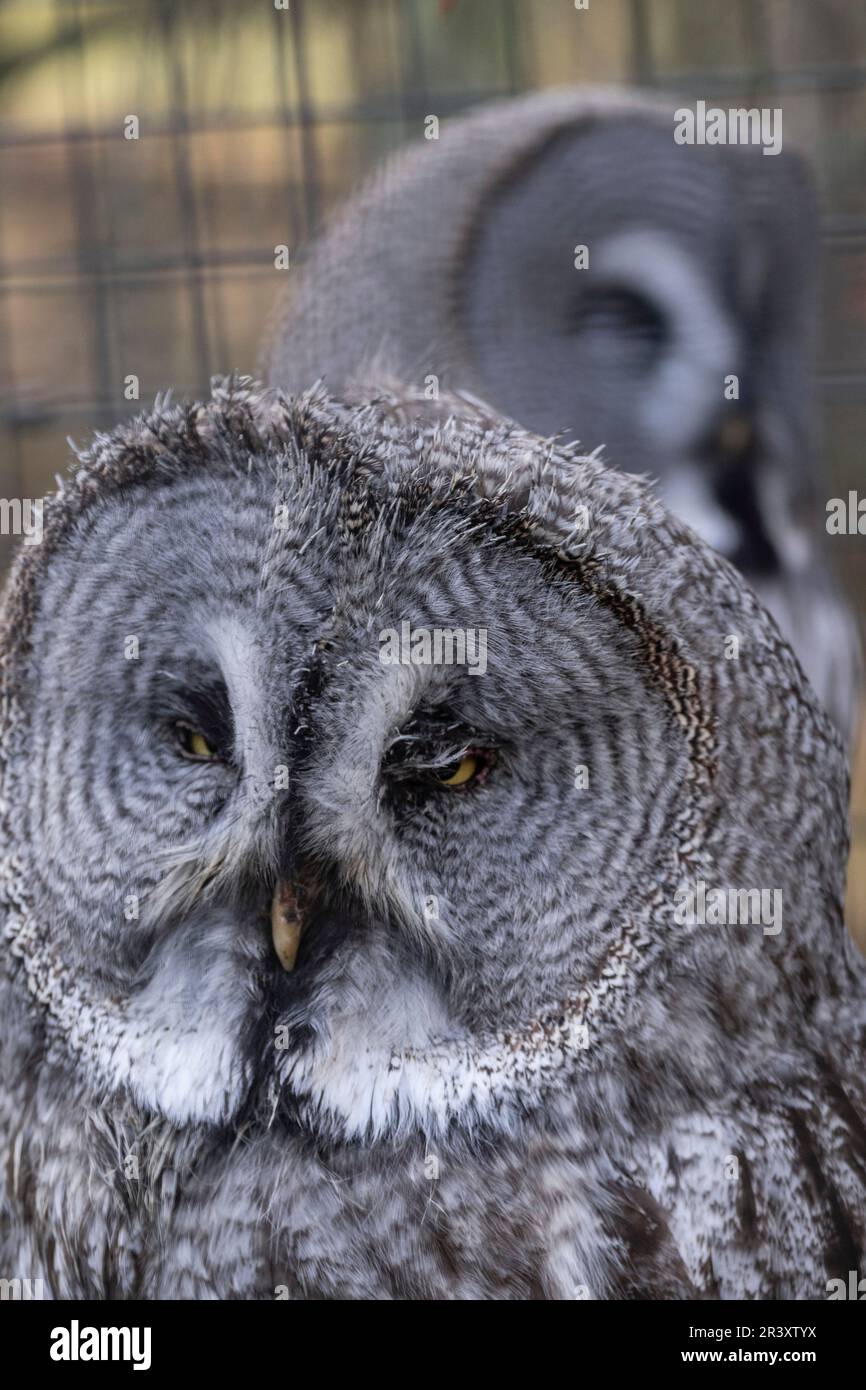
(177, 1049)
(362, 1076)
(369, 1083)
(687, 494)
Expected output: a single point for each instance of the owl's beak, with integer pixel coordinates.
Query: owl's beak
(735, 437)
(287, 923)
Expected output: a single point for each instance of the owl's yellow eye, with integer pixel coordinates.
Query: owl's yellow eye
(199, 746)
(194, 743)
(463, 772)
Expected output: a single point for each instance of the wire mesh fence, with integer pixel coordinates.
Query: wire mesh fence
(153, 256)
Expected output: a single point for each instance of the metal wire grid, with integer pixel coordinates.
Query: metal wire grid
(94, 266)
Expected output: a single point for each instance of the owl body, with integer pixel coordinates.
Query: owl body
(556, 1212)
(502, 1063)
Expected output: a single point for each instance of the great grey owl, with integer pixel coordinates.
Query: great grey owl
(699, 264)
(340, 969)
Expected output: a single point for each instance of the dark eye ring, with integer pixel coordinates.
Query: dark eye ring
(620, 310)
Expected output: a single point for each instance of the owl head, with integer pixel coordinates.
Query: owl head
(561, 256)
(355, 754)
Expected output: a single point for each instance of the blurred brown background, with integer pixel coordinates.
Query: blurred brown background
(155, 257)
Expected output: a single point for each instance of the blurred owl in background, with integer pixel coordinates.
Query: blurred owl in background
(332, 976)
(560, 256)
